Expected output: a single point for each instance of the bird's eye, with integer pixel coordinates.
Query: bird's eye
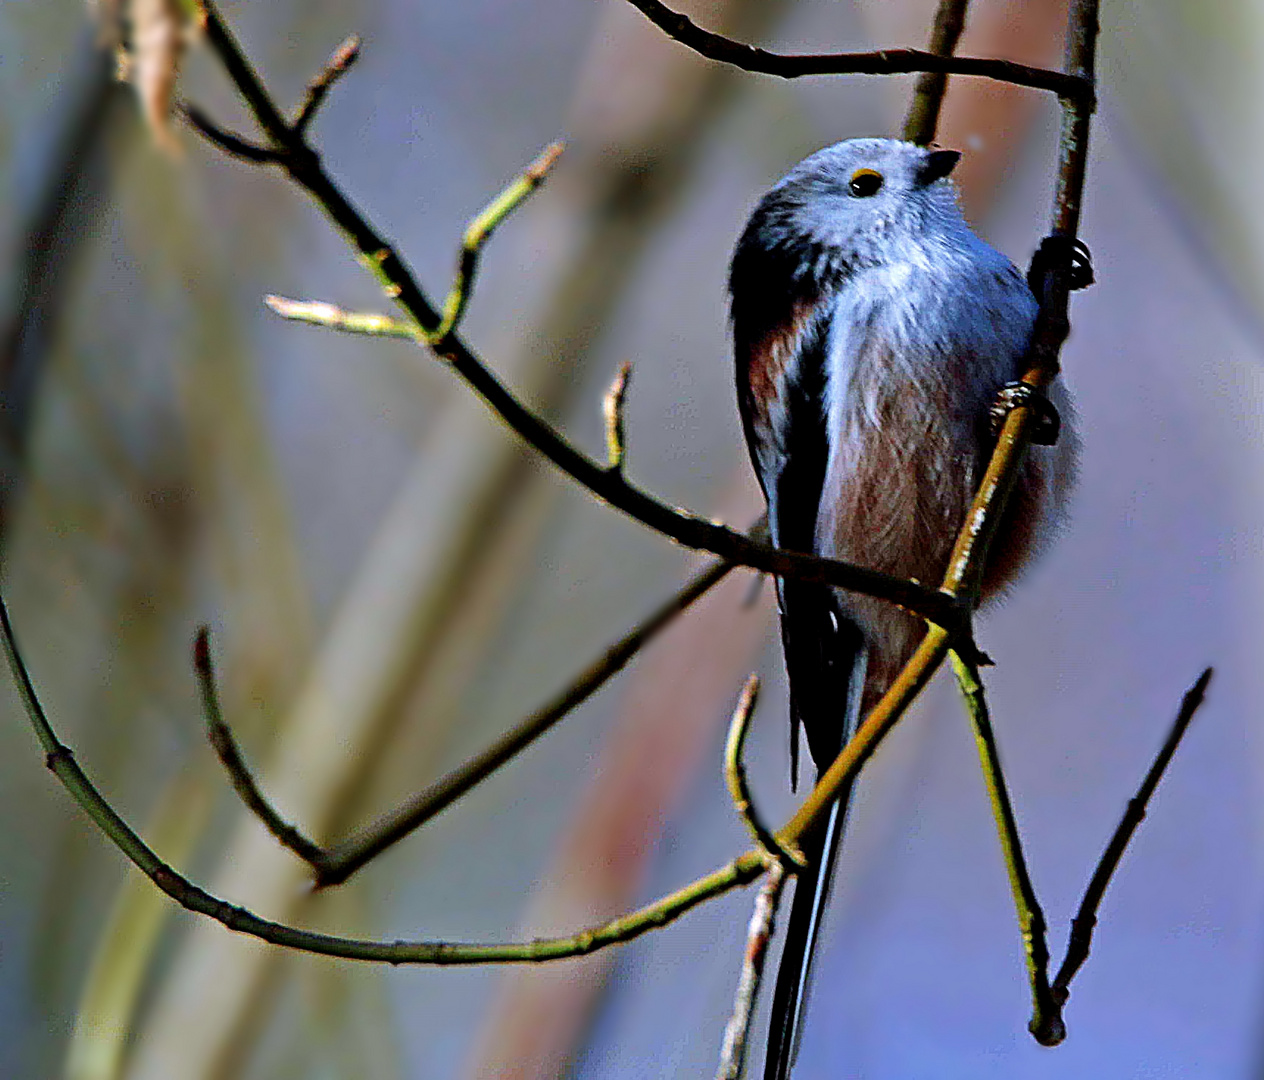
(865, 182)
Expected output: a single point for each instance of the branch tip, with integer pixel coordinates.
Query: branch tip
(612, 410)
(1085, 920)
(202, 649)
(787, 857)
(477, 233)
(335, 67)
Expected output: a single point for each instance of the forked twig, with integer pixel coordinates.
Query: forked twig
(334, 864)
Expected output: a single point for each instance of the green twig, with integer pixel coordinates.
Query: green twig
(790, 858)
(1086, 917)
(319, 313)
(1046, 1015)
(478, 232)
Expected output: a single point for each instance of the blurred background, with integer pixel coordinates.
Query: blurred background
(391, 580)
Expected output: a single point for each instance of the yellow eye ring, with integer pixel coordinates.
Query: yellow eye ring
(865, 182)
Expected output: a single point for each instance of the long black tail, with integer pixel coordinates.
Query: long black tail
(811, 893)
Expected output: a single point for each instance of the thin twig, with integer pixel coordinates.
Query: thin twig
(612, 413)
(759, 934)
(882, 62)
(1046, 1015)
(333, 865)
(928, 95)
(735, 777)
(226, 749)
(399, 284)
(1086, 917)
(345, 858)
(319, 313)
(231, 143)
(61, 760)
(335, 68)
(479, 231)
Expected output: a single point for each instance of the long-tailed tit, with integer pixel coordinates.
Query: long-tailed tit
(873, 330)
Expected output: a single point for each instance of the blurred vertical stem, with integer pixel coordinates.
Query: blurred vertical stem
(928, 95)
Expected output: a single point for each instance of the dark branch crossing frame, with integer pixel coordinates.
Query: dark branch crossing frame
(1057, 269)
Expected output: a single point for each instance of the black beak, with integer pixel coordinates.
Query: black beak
(938, 164)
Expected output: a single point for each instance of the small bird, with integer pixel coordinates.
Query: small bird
(872, 332)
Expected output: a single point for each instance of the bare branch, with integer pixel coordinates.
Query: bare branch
(345, 858)
(758, 935)
(1086, 917)
(1068, 86)
(334, 864)
(335, 68)
(735, 777)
